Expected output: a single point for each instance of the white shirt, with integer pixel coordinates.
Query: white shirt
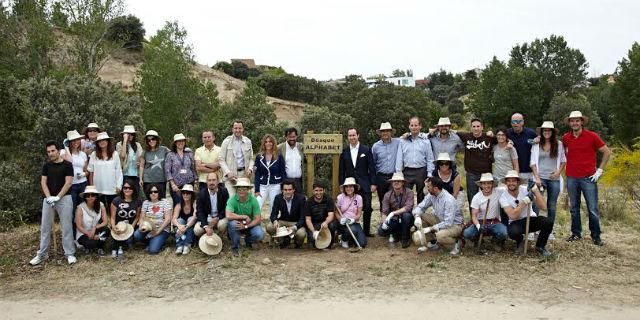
(237, 152)
(479, 202)
(213, 198)
(78, 161)
(107, 174)
(508, 200)
(354, 153)
(293, 162)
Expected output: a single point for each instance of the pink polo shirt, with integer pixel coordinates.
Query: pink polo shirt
(349, 206)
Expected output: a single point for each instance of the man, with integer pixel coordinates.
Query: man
(384, 153)
(580, 146)
(319, 212)
(478, 155)
(287, 211)
(207, 159)
(415, 158)
(516, 202)
(357, 161)
(243, 213)
(486, 203)
(236, 157)
(444, 225)
(522, 138)
(395, 211)
(443, 140)
(55, 181)
(292, 153)
(211, 205)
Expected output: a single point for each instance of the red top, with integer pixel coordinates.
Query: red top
(581, 153)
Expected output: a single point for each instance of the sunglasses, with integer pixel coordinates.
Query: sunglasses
(516, 121)
(152, 139)
(154, 191)
(127, 188)
(444, 163)
(90, 195)
(92, 130)
(186, 192)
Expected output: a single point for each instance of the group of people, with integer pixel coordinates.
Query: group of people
(94, 186)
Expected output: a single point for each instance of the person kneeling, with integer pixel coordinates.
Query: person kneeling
(243, 213)
(287, 212)
(396, 211)
(155, 217)
(485, 209)
(91, 221)
(349, 205)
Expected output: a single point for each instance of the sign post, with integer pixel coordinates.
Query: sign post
(315, 143)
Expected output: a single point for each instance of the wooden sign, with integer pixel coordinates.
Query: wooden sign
(322, 143)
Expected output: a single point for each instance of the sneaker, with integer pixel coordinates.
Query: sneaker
(405, 244)
(574, 237)
(345, 244)
(531, 236)
(433, 246)
(543, 252)
(391, 239)
(179, 250)
(519, 250)
(235, 252)
(185, 250)
(552, 236)
(422, 249)
(71, 259)
(101, 252)
(456, 249)
(120, 251)
(37, 260)
(598, 242)
(114, 253)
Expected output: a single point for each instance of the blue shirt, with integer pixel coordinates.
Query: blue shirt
(384, 155)
(415, 153)
(521, 141)
(451, 145)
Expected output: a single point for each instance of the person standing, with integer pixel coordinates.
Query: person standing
(357, 161)
(130, 152)
(90, 133)
(580, 146)
(504, 155)
(384, 153)
(55, 181)
(152, 163)
(270, 171)
(523, 139)
(415, 158)
(207, 159)
(105, 170)
(79, 160)
(180, 168)
(395, 212)
(444, 140)
(477, 155)
(236, 157)
(292, 153)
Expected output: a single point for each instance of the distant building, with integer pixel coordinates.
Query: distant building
(250, 63)
(397, 81)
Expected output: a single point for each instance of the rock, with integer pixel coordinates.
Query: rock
(266, 261)
(131, 274)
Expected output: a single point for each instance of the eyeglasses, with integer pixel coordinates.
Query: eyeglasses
(443, 163)
(152, 139)
(154, 191)
(127, 188)
(516, 121)
(90, 195)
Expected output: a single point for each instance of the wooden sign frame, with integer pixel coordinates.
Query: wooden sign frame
(323, 144)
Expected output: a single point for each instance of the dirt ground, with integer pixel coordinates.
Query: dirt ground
(581, 281)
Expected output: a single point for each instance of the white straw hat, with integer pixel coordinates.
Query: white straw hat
(576, 114)
(129, 129)
(350, 181)
(283, 231)
(89, 189)
(386, 126)
(122, 231)
(486, 177)
(397, 176)
(210, 245)
(511, 174)
(178, 137)
(547, 125)
(102, 136)
(152, 133)
(443, 156)
(324, 238)
(73, 135)
(444, 122)
(243, 182)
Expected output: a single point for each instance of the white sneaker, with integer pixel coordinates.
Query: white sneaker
(391, 239)
(36, 260)
(185, 250)
(345, 244)
(178, 250)
(433, 246)
(552, 236)
(120, 251)
(422, 249)
(456, 249)
(71, 259)
(531, 236)
(114, 254)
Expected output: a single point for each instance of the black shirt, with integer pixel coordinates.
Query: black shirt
(56, 174)
(126, 211)
(319, 211)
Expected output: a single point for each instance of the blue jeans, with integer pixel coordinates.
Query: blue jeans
(357, 232)
(252, 235)
(472, 187)
(496, 230)
(75, 191)
(552, 188)
(400, 228)
(189, 235)
(155, 243)
(584, 186)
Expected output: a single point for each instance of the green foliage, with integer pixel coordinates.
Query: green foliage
(127, 30)
(58, 17)
(457, 120)
(440, 93)
(237, 69)
(563, 104)
(623, 172)
(441, 77)
(16, 117)
(170, 91)
(291, 87)
(625, 97)
(599, 96)
(455, 106)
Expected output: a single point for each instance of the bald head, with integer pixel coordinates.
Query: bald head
(517, 122)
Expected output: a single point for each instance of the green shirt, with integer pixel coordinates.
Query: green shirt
(250, 208)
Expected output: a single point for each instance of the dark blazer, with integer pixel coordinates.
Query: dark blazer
(297, 206)
(365, 170)
(204, 204)
(273, 173)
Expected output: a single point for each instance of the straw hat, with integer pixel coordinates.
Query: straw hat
(152, 133)
(444, 122)
(547, 125)
(324, 238)
(350, 181)
(89, 189)
(102, 136)
(486, 177)
(210, 245)
(122, 231)
(129, 129)
(443, 156)
(243, 182)
(187, 187)
(283, 232)
(74, 135)
(198, 229)
(576, 114)
(386, 126)
(146, 226)
(93, 125)
(397, 176)
(178, 137)
(415, 237)
(511, 174)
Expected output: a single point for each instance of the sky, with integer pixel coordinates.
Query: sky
(329, 39)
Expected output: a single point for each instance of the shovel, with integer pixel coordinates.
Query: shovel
(484, 223)
(354, 239)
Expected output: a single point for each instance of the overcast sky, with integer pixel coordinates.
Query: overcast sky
(331, 38)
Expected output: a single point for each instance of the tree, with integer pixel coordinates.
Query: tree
(398, 73)
(291, 87)
(625, 97)
(441, 77)
(237, 69)
(563, 104)
(455, 106)
(58, 17)
(127, 30)
(16, 117)
(169, 89)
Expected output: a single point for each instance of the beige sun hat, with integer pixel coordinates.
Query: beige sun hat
(178, 137)
(547, 125)
(210, 245)
(576, 114)
(397, 176)
(444, 122)
(122, 231)
(152, 133)
(74, 135)
(283, 231)
(386, 126)
(93, 125)
(511, 174)
(89, 189)
(187, 187)
(102, 136)
(443, 156)
(146, 226)
(324, 238)
(350, 181)
(486, 177)
(243, 182)
(198, 229)
(129, 129)
(415, 237)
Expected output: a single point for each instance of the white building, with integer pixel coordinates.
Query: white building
(397, 81)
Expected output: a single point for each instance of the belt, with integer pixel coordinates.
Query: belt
(408, 168)
(240, 169)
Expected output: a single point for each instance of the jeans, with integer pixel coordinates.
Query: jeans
(399, 227)
(155, 243)
(106, 199)
(552, 188)
(64, 209)
(122, 244)
(472, 187)
(186, 239)
(542, 224)
(366, 210)
(415, 176)
(252, 235)
(584, 186)
(357, 232)
(269, 191)
(75, 191)
(497, 230)
(382, 186)
(91, 243)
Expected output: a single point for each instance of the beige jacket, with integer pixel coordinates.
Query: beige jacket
(228, 160)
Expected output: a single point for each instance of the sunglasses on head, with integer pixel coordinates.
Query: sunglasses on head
(516, 121)
(154, 191)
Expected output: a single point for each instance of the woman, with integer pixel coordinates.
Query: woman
(90, 133)
(450, 176)
(505, 156)
(125, 207)
(349, 205)
(184, 218)
(180, 168)
(152, 163)
(157, 213)
(269, 171)
(547, 163)
(105, 170)
(79, 160)
(91, 221)
(130, 152)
